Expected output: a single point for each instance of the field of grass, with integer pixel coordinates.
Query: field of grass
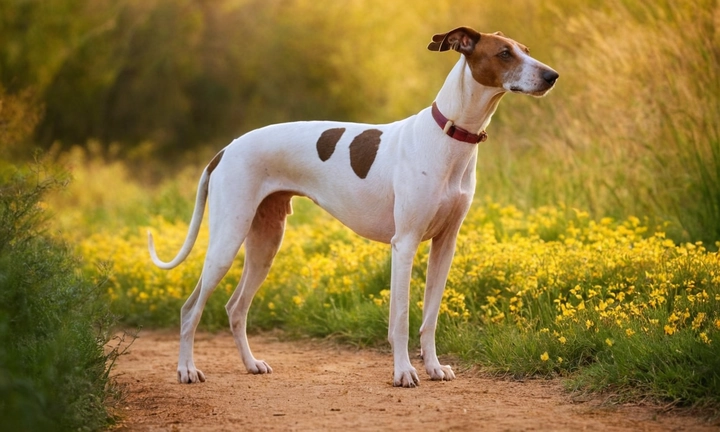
(54, 323)
(589, 253)
(614, 305)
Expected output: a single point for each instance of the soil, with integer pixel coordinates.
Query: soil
(319, 385)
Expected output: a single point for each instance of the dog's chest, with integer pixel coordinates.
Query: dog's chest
(451, 206)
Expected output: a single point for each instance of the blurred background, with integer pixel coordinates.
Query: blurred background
(158, 85)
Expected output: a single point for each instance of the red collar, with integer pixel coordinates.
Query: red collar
(456, 132)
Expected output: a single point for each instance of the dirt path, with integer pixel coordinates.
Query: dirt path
(320, 386)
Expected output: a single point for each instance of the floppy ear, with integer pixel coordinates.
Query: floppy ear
(462, 40)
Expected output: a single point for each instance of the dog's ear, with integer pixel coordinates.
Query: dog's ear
(499, 33)
(462, 40)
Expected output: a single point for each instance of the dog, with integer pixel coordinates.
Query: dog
(400, 183)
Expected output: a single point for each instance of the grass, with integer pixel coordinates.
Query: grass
(54, 374)
(610, 303)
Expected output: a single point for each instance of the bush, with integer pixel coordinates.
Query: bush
(54, 374)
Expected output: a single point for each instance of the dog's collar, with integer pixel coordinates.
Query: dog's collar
(456, 132)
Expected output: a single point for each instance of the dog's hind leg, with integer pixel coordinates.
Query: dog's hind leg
(226, 238)
(262, 243)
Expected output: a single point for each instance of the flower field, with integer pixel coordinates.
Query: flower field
(612, 304)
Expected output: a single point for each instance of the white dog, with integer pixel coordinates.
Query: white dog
(400, 183)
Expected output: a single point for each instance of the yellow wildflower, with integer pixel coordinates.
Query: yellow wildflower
(609, 342)
(545, 356)
(697, 322)
(498, 318)
(669, 330)
(704, 338)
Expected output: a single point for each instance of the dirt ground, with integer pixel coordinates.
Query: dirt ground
(318, 386)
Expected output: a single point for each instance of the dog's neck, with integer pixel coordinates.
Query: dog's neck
(466, 102)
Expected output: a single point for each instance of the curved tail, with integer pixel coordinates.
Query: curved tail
(195, 222)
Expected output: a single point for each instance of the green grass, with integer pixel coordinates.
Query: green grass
(54, 374)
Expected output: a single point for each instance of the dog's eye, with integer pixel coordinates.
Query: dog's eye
(505, 54)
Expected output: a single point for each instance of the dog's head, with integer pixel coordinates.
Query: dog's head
(498, 61)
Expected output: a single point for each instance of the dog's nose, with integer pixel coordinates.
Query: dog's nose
(550, 76)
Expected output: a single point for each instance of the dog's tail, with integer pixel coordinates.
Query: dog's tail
(195, 222)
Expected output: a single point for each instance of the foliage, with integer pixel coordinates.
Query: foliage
(53, 323)
(632, 126)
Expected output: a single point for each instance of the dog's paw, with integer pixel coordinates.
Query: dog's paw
(406, 378)
(258, 367)
(189, 375)
(441, 373)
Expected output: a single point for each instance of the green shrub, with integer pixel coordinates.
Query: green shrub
(54, 374)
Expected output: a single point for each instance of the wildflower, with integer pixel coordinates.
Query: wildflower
(697, 322)
(717, 324)
(545, 356)
(562, 340)
(609, 342)
(629, 331)
(560, 360)
(704, 338)
(669, 330)
(498, 318)
(589, 324)
(685, 315)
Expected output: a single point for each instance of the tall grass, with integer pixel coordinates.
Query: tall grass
(54, 374)
(631, 128)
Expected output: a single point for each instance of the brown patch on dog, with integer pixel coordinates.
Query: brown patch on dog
(493, 58)
(363, 150)
(214, 162)
(462, 40)
(327, 142)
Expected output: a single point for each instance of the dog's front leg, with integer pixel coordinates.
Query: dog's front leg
(441, 254)
(403, 252)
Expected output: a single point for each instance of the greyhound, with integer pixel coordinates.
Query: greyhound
(400, 183)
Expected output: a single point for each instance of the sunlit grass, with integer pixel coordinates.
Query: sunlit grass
(612, 303)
